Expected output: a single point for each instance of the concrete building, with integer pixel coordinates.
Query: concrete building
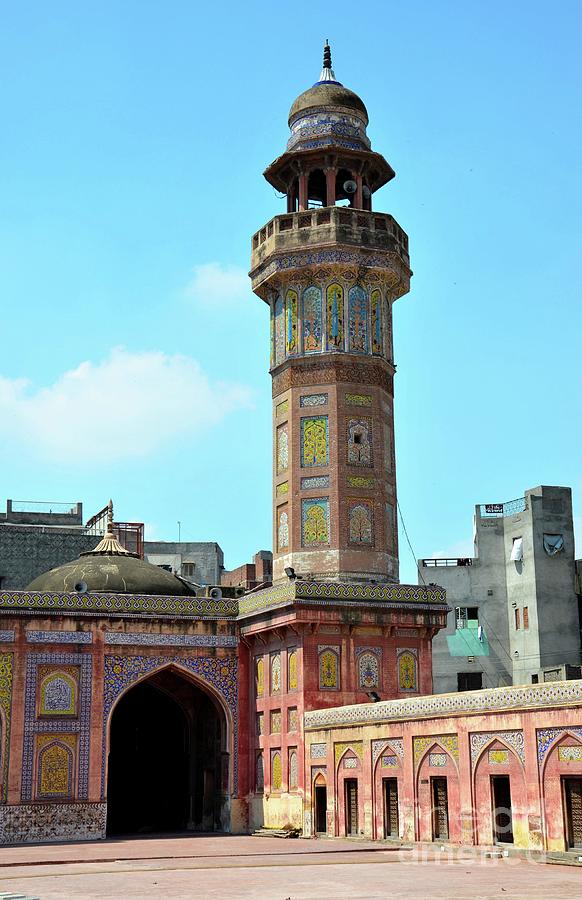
(258, 573)
(514, 610)
(37, 536)
(200, 561)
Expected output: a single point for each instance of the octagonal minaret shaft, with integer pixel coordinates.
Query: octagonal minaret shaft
(329, 270)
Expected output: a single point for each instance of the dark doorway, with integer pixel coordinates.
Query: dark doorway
(573, 807)
(390, 786)
(351, 792)
(164, 764)
(440, 809)
(469, 681)
(502, 818)
(320, 809)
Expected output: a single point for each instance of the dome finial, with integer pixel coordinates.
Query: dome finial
(326, 55)
(327, 73)
(109, 545)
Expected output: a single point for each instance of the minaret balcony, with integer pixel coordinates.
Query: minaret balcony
(329, 226)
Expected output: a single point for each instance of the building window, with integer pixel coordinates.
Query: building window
(517, 550)
(188, 569)
(517, 626)
(525, 618)
(553, 544)
(469, 681)
(467, 616)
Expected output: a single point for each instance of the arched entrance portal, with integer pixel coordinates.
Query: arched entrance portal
(166, 767)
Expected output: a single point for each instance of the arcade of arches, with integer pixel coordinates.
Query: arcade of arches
(166, 765)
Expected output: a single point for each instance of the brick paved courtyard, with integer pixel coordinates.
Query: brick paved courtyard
(253, 867)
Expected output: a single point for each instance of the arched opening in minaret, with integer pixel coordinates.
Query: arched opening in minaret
(293, 196)
(345, 188)
(166, 767)
(317, 188)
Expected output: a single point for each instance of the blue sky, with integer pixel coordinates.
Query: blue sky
(134, 356)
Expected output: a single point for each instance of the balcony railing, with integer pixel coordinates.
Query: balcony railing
(488, 510)
(459, 561)
(382, 228)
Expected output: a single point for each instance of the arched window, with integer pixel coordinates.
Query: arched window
(315, 522)
(291, 322)
(283, 530)
(368, 671)
(329, 669)
(376, 302)
(279, 331)
(260, 773)
(314, 441)
(260, 677)
(335, 317)
(317, 188)
(357, 320)
(361, 531)
(276, 770)
(276, 673)
(282, 448)
(312, 320)
(407, 671)
(293, 770)
(58, 695)
(292, 670)
(55, 770)
(360, 442)
(344, 195)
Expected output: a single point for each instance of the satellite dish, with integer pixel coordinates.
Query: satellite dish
(366, 192)
(350, 187)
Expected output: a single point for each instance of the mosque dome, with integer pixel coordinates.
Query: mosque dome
(328, 93)
(111, 569)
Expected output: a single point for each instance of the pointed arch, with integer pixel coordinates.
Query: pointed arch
(437, 745)
(557, 740)
(495, 739)
(388, 749)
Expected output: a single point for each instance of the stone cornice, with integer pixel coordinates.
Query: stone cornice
(286, 593)
(333, 369)
(432, 706)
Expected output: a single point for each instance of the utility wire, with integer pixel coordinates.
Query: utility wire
(409, 544)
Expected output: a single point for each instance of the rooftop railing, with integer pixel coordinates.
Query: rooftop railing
(503, 509)
(459, 561)
(43, 506)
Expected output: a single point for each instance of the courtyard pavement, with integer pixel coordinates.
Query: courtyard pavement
(219, 866)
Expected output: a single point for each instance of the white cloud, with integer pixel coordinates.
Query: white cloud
(213, 284)
(127, 405)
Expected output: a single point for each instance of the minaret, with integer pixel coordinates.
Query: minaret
(330, 269)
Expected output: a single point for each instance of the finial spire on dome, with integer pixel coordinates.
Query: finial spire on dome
(327, 73)
(109, 545)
